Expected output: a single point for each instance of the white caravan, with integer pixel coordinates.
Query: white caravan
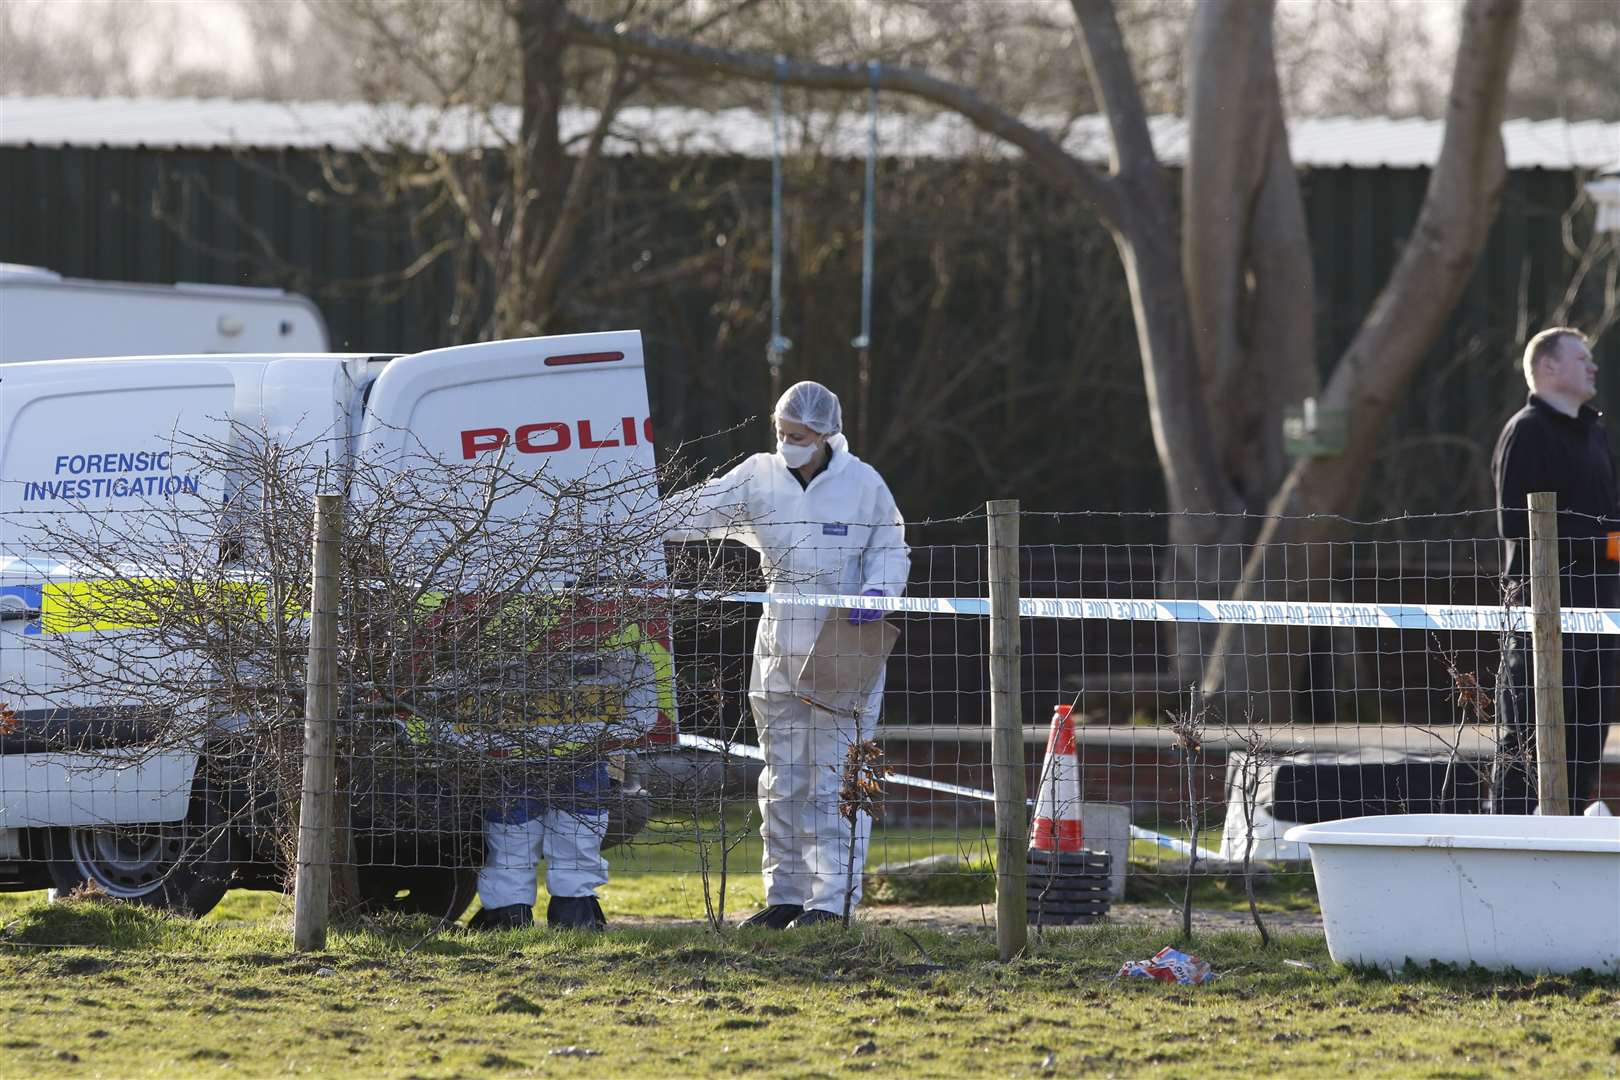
(45, 316)
(97, 435)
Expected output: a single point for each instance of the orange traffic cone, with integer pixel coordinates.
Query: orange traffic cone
(1064, 883)
(1057, 805)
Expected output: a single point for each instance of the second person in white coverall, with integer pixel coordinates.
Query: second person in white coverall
(590, 696)
(823, 521)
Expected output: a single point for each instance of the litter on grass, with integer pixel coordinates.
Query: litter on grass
(1170, 965)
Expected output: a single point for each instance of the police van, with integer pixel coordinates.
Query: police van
(95, 435)
(45, 316)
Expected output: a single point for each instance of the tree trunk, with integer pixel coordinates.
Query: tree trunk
(1245, 249)
(1225, 324)
(1145, 232)
(1453, 224)
(542, 46)
(539, 163)
(1246, 255)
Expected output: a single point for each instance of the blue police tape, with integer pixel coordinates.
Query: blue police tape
(754, 753)
(1476, 617)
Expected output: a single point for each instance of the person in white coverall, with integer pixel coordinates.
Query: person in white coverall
(823, 521)
(553, 808)
(566, 830)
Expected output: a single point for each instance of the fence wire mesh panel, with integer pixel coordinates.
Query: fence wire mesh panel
(623, 695)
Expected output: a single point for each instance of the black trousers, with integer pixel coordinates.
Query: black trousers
(1589, 705)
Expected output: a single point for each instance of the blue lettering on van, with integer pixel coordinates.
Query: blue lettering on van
(137, 461)
(112, 474)
(835, 530)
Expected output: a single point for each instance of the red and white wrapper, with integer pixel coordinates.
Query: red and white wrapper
(1171, 966)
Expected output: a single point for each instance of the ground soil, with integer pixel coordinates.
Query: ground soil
(959, 918)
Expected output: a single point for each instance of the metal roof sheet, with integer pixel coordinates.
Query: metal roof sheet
(191, 123)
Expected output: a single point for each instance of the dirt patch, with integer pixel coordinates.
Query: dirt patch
(1156, 916)
(961, 918)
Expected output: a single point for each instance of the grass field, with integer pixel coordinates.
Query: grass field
(660, 876)
(92, 989)
(95, 989)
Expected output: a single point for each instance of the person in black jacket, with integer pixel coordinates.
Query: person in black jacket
(1557, 443)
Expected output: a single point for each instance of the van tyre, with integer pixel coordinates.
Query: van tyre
(183, 867)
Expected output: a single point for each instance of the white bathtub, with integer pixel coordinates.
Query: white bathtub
(1528, 893)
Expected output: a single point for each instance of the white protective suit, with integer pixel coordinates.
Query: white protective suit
(570, 842)
(840, 534)
(565, 825)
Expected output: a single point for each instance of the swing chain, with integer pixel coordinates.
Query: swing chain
(863, 340)
(776, 350)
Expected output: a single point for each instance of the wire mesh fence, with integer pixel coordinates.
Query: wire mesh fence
(580, 689)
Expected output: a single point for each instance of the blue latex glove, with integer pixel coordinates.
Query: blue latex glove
(865, 615)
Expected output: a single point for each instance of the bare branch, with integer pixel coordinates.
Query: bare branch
(1115, 84)
(1043, 151)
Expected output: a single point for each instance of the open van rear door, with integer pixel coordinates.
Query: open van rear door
(570, 405)
(570, 411)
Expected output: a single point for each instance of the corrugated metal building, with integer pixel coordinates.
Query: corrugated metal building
(233, 192)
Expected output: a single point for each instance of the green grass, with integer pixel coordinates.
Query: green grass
(1290, 891)
(661, 875)
(94, 989)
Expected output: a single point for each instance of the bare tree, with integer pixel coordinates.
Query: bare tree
(297, 52)
(1341, 58)
(1222, 302)
(100, 48)
(504, 634)
(1188, 728)
(1258, 755)
(514, 211)
(1571, 49)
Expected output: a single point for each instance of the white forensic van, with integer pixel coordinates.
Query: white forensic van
(84, 434)
(45, 316)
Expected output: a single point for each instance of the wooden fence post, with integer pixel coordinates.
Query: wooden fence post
(1547, 647)
(312, 889)
(1007, 731)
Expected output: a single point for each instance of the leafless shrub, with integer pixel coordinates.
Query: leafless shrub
(1188, 728)
(504, 630)
(1259, 753)
(860, 793)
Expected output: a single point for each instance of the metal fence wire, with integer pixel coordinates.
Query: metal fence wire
(533, 696)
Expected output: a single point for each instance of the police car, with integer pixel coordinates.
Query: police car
(82, 800)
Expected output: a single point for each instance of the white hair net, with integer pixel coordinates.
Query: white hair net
(813, 405)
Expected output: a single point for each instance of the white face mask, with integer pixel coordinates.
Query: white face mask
(797, 456)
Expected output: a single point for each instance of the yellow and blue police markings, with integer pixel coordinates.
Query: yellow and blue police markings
(133, 603)
(27, 601)
(67, 606)
(541, 612)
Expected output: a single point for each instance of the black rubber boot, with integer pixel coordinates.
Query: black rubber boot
(510, 917)
(575, 913)
(775, 917)
(814, 917)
